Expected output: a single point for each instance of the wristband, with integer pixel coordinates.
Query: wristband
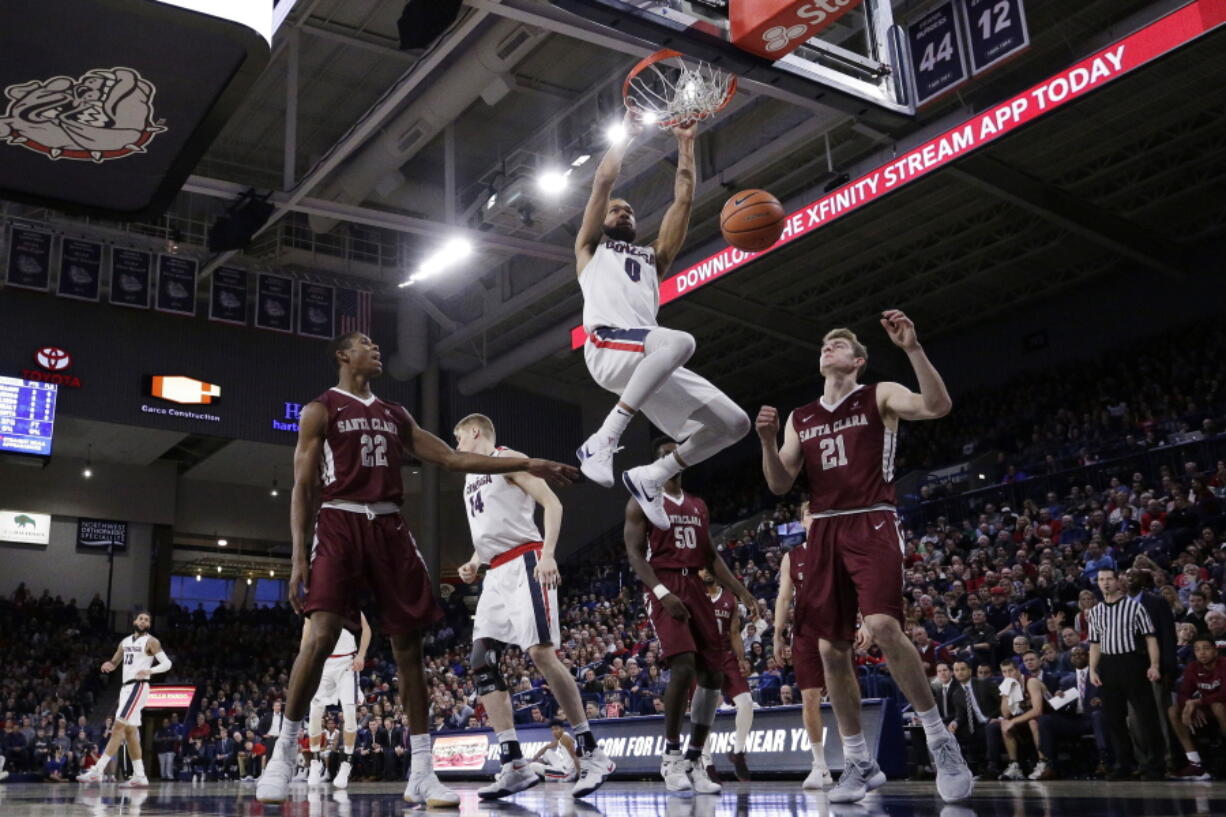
(660, 590)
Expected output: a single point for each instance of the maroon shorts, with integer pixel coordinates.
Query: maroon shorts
(354, 555)
(734, 682)
(807, 662)
(854, 563)
(700, 634)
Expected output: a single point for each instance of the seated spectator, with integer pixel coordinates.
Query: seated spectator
(1076, 719)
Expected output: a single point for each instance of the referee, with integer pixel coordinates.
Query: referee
(1124, 674)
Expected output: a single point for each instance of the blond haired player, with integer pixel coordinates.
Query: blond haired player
(141, 656)
(845, 441)
(627, 352)
(338, 684)
(518, 605)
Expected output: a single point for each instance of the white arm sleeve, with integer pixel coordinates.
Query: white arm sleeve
(162, 665)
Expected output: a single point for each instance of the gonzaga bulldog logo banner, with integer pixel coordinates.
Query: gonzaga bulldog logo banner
(106, 113)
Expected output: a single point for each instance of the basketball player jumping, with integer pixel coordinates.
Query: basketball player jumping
(350, 448)
(337, 685)
(518, 605)
(806, 659)
(845, 441)
(137, 654)
(667, 561)
(627, 353)
(734, 686)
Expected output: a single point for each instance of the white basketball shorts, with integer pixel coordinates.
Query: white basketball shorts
(513, 607)
(338, 684)
(612, 355)
(132, 700)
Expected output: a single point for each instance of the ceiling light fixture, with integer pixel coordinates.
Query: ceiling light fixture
(222, 542)
(552, 182)
(444, 258)
(581, 160)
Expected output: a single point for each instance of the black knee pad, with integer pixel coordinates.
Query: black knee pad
(485, 666)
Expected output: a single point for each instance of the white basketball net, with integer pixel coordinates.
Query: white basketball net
(672, 92)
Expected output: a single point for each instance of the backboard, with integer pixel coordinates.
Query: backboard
(856, 60)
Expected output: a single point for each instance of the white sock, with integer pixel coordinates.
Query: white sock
(138, 768)
(663, 469)
(819, 755)
(934, 727)
(102, 761)
(855, 748)
(616, 423)
(1193, 757)
(744, 720)
(422, 759)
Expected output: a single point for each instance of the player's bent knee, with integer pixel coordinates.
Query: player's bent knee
(486, 672)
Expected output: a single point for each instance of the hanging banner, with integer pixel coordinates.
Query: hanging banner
(29, 259)
(315, 312)
(80, 270)
(176, 285)
(228, 296)
(130, 277)
(274, 303)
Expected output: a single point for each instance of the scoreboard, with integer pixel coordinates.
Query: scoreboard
(27, 416)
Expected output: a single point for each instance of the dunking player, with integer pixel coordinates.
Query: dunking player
(734, 686)
(845, 441)
(518, 605)
(806, 659)
(627, 353)
(667, 562)
(350, 447)
(137, 655)
(337, 685)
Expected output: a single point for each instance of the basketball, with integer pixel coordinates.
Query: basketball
(752, 220)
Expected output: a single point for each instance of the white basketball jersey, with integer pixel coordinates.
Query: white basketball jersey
(345, 644)
(134, 657)
(500, 514)
(620, 286)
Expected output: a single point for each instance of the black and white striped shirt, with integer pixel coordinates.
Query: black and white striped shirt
(1115, 626)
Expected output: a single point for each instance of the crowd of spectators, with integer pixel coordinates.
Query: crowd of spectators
(996, 596)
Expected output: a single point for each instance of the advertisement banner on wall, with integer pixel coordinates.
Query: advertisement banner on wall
(25, 528)
(102, 534)
(778, 743)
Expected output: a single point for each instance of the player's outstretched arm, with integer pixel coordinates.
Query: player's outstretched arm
(634, 531)
(359, 660)
(304, 500)
(592, 226)
(429, 448)
(779, 465)
(933, 400)
(783, 602)
(676, 221)
(535, 487)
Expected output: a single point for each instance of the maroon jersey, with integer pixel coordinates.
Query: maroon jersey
(362, 449)
(725, 608)
(686, 542)
(848, 452)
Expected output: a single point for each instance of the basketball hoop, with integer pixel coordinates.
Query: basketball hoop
(670, 91)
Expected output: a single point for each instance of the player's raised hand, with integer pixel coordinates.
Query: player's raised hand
(900, 328)
(555, 473)
(299, 574)
(107, 666)
(675, 607)
(767, 423)
(469, 571)
(632, 125)
(546, 572)
(686, 131)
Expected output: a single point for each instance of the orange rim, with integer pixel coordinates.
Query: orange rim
(676, 119)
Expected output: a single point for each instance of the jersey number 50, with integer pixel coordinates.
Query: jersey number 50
(685, 538)
(374, 450)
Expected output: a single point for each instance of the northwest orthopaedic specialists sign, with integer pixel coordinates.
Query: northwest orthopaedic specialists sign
(1155, 40)
(777, 743)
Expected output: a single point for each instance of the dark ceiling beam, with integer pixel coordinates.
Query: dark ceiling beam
(1093, 223)
(771, 321)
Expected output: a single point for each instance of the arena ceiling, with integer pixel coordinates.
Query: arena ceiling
(363, 146)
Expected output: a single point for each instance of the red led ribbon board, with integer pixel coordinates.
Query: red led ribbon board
(1156, 40)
